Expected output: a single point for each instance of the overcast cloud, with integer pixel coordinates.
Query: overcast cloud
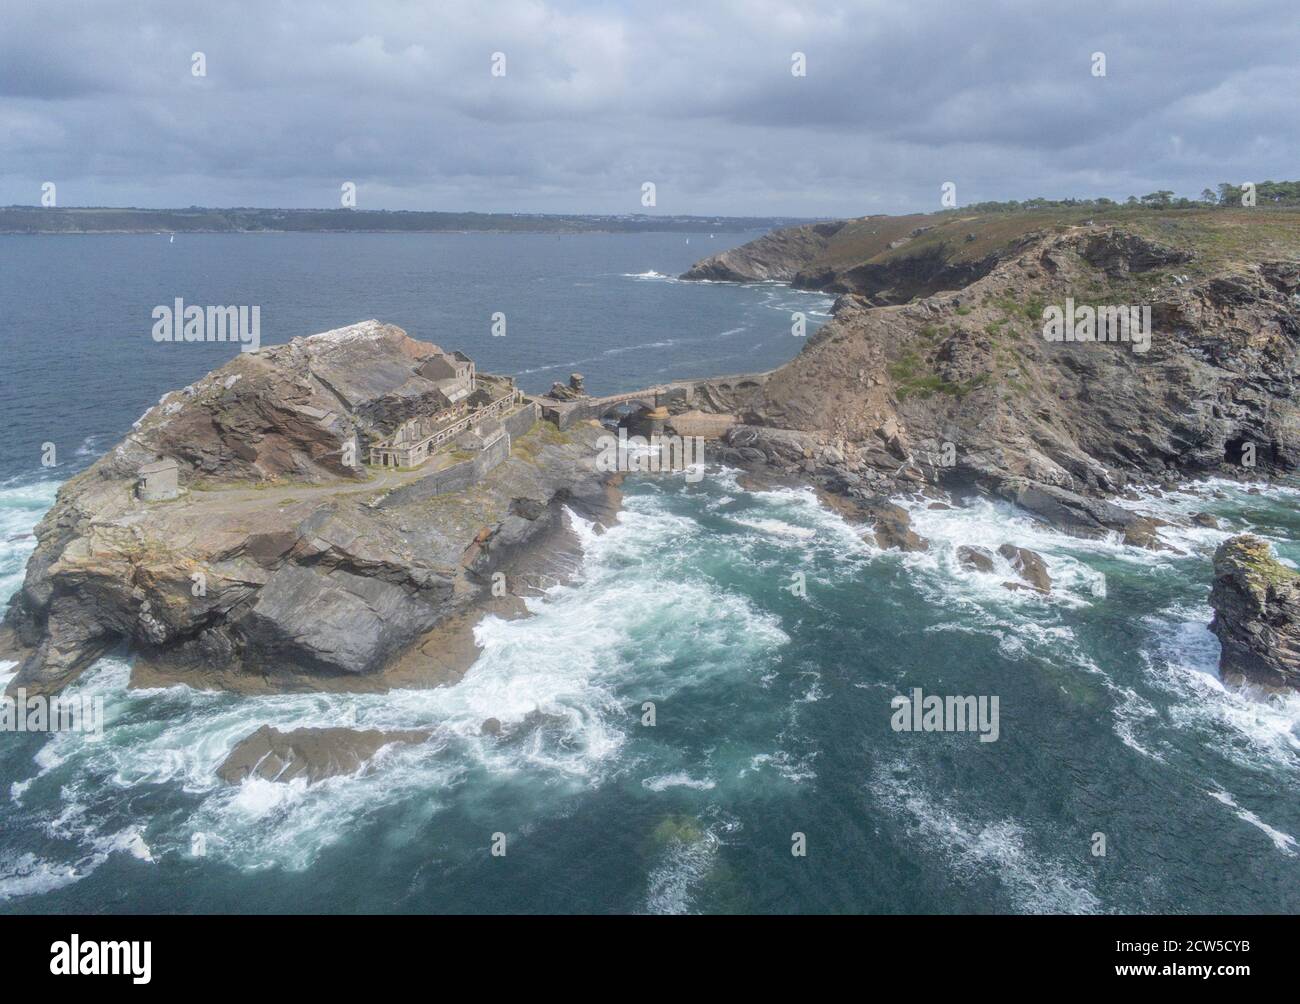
(699, 98)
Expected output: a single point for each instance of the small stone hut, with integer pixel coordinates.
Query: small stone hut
(159, 481)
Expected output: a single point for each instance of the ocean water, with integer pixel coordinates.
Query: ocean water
(80, 364)
(772, 720)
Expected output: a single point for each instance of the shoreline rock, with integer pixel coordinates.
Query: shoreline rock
(1029, 565)
(933, 370)
(314, 754)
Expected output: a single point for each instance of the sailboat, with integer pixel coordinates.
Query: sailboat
(171, 239)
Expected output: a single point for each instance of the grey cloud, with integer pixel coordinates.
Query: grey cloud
(598, 98)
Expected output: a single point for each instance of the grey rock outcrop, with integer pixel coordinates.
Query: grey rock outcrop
(314, 754)
(1256, 603)
(978, 558)
(1029, 565)
(779, 255)
(571, 391)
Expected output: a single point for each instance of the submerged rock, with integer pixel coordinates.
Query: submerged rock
(1081, 516)
(893, 528)
(312, 753)
(1256, 603)
(1029, 565)
(978, 558)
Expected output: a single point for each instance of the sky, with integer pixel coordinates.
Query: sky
(1002, 99)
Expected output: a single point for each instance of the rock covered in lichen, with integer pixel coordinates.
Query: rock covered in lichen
(1256, 604)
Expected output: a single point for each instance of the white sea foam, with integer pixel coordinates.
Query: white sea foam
(21, 508)
(562, 706)
(779, 528)
(680, 779)
(1284, 842)
(1262, 730)
(792, 768)
(28, 875)
(684, 865)
(972, 847)
(990, 524)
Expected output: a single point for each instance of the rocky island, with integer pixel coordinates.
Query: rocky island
(301, 518)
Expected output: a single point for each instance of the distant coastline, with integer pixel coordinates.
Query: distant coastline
(106, 220)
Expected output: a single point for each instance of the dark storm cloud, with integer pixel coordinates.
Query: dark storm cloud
(698, 98)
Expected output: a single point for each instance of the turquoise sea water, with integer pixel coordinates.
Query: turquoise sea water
(772, 718)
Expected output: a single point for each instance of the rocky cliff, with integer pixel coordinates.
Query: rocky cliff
(1256, 604)
(283, 561)
(959, 388)
(935, 374)
(778, 256)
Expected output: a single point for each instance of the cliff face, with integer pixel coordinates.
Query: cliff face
(1256, 604)
(961, 388)
(280, 561)
(935, 371)
(890, 259)
(778, 256)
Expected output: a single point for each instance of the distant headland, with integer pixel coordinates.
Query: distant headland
(197, 219)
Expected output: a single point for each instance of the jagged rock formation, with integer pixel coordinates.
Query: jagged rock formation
(314, 754)
(960, 389)
(571, 391)
(280, 565)
(888, 259)
(288, 411)
(935, 373)
(1256, 604)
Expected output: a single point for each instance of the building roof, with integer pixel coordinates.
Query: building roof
(453, 390)
(158, 466)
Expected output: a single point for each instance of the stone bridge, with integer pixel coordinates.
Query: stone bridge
(709, 394)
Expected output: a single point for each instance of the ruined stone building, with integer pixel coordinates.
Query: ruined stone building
(158, 481)
(454, 410)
